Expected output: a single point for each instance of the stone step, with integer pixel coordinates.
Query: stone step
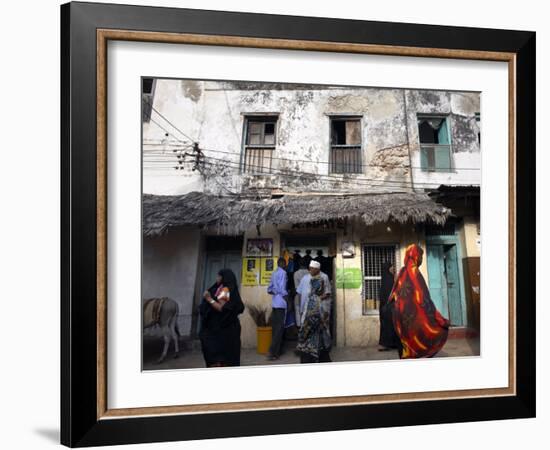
(462, 333)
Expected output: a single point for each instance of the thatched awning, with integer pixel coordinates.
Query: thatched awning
(234, 215)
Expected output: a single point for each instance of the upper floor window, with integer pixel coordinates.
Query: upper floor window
(435, 143)
(345, 145)
(259, 143)
(147, 90)
(478, 122)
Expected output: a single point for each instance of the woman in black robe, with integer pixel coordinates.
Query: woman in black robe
(388, 337)
(220, 332)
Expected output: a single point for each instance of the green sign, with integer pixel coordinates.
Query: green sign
(351, 278)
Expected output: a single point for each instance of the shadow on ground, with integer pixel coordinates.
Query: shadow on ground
(191, 356)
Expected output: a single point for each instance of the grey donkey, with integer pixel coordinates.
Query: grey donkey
(163, 312)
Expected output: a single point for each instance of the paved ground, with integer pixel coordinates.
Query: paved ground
(192, 358)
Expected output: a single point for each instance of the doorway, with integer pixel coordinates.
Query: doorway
(222, 252)
(444, 280)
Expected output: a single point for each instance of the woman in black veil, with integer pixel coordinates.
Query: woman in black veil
(388, 337)
(220, 332)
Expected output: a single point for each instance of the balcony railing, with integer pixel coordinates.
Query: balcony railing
(258, 160)
(345, 159)
(435, 158)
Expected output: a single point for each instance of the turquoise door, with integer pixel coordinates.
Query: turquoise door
(444, 281)
(436, 279)
(453, 284)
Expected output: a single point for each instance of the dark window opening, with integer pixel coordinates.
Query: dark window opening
(478, 120)
(435, 144)
(147, 91)
(147, 86)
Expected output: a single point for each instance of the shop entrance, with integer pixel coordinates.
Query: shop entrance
(321, 248)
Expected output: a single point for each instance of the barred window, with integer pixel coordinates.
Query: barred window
(374, 256)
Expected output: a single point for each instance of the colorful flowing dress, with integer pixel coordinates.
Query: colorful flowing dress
(420, 326)
(314, 335)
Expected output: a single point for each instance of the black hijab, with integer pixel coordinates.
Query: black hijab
(231, 309)
(387, 283)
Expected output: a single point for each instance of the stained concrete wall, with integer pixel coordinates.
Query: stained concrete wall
(460, 108)
(170, 265)
(213, 114)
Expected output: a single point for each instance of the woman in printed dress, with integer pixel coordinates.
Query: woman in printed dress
(220, 332)
(421, 328)
(314, 339)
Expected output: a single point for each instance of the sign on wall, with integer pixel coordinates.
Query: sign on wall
(251, 272)
(351, 278)
(268, 266)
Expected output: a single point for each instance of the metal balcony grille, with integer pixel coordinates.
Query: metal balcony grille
(258, 160)
(435, 157)
(345, 159)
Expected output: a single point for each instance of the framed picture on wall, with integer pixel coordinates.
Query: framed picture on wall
(259, 247)
(323, 199)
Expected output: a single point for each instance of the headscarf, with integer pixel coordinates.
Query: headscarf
(233, 307)
(420, 326)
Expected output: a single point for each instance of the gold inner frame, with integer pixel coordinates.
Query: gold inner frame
(103, 36)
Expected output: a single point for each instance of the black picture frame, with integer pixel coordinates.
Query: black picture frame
(80, 425)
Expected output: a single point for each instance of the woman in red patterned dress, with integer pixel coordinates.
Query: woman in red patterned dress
(420, 326)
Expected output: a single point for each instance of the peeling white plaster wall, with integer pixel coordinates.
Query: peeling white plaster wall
(213, 114)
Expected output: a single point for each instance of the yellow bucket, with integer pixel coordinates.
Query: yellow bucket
(264, 339)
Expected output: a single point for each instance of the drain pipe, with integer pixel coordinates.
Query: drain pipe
(405, 110)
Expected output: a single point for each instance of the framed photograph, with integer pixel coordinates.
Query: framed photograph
(259, 247)
(304, 199)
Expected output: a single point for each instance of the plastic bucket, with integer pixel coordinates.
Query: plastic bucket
(263, 339)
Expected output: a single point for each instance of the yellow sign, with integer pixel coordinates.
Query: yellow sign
(268, 267)
(251, 272)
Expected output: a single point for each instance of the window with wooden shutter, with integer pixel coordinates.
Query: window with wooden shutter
(435, 144)
(345, 150)
(259, 145)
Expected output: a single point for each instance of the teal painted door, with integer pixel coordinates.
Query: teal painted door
(453, 284)
(436, 278)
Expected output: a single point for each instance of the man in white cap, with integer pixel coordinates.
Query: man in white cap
(304, 290)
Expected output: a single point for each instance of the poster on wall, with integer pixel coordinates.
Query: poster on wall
(268, 266)
(259, 247)
(251, 272)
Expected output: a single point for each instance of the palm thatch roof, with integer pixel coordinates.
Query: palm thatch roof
(234, 215)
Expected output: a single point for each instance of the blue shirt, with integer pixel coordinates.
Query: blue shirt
(277, 288)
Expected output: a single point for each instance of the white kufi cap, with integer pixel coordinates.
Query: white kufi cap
(315, 264)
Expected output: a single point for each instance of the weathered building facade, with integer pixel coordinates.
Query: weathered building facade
(358, 173)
